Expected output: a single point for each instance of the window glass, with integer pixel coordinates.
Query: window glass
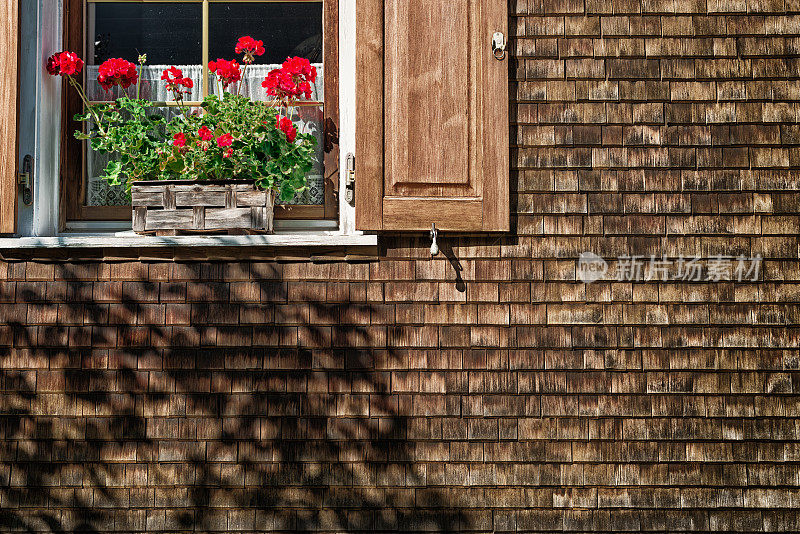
(287, 29)
(309, 119)
(168, 32)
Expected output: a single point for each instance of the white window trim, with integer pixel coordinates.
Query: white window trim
(38, 224)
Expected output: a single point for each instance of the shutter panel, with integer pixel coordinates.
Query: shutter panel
(9, 43)
(432, 132)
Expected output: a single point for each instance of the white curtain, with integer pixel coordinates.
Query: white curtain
(308, 118)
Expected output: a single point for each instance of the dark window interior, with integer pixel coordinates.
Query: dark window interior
(287, 29)
(169, 33)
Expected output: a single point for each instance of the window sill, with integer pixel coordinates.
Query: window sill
(129, 239)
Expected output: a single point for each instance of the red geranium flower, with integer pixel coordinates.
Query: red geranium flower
(64, 64)
(179, 140)
(228, 71)
(175, 79)
(286, 125)
(302, 67)
(205, 134)
(279, 83)
(228, 153)
(293, 79)
(116, 71)
(225, 140)
(250, 48)
(305, 88)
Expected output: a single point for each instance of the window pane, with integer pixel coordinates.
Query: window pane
(169, 33)
(309, 119)
(287, 29)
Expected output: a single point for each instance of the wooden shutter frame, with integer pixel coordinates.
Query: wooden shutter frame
(369, 114)
(371, 213)
(9, 114)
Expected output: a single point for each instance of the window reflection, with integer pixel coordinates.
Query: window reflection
(287, 29)
(168, 32)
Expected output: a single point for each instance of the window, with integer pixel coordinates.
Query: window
(189, 34)
(425, 115)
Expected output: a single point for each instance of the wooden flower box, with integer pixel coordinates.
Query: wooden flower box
(198, 206)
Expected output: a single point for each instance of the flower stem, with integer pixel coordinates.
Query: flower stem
(178, 95)
(78, 88)
(142, 61)
(244, 72)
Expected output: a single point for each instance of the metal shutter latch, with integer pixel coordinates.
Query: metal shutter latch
(499, 46)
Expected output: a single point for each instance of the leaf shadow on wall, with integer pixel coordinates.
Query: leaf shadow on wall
(194, 404)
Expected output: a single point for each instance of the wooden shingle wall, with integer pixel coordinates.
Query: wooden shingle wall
(482, 390)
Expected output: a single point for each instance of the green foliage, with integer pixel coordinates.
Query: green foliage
(129, 129)
(144, 145)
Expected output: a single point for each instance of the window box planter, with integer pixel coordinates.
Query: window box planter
(172, 207)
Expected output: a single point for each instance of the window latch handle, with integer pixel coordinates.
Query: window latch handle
(25, 180)
(350, 179)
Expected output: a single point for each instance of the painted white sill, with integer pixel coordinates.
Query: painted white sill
(132, 240)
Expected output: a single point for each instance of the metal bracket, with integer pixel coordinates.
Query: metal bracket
(499, 46)
(350, 179)
(25, 180)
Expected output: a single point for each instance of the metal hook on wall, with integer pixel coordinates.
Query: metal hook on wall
(434, 244)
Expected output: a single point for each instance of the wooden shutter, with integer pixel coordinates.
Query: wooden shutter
(432, 131)
(9, 58)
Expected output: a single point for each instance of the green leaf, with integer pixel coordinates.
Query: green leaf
(113, 167)
(113, 170)
(287, 191)
(176, 165)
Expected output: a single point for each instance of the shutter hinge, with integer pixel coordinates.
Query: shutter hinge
(350, 179)
(25, 180)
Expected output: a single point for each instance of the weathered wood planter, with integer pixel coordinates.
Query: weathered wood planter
(197, 206)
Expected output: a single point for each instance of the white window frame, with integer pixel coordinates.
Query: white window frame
(40, 134)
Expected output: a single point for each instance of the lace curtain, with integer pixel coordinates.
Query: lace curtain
(308, 118)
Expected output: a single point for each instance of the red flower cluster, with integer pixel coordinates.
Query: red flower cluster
(228, 71)
(225, 140)
(205, 134)
(286, 125)
(179, 140)
(64, 64)
(175, 80)
(293, 79)
(250, 48)
(116, 71)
